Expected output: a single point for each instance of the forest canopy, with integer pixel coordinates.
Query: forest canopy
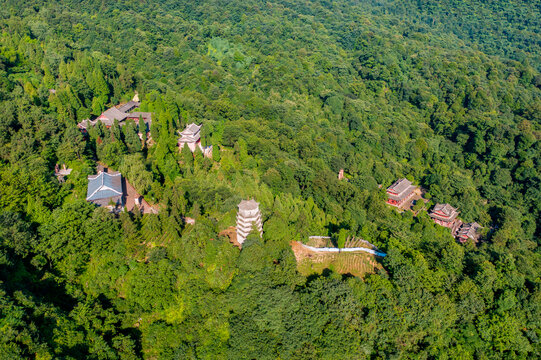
(289, 92)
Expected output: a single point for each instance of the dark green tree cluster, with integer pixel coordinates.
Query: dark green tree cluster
(288, 93)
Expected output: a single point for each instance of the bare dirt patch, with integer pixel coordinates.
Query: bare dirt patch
(319, 241)
(231, 233)
(354, 263)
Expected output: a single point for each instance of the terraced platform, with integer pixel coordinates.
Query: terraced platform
(355, 263)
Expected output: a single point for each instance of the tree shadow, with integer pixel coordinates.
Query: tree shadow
(325, 273)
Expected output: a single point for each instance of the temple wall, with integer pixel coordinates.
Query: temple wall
(339, 250)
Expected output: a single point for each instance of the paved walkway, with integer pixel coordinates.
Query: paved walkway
(130, 196)
(339, 250)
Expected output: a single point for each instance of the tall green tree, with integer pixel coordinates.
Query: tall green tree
(131, 137)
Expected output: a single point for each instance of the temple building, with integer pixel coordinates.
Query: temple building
(105, 189)
(444, 215)
(61, 172)
(399, 192)
(468, 231)
(192, 138)
(248, 216)
(121, 113)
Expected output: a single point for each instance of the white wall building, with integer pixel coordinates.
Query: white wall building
(248, 216)
(191, 136)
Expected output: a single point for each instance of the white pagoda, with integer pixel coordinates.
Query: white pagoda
(191, 136)
(248, 216)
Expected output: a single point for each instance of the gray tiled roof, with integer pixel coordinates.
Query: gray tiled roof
(190, 134)
(194, 127)
(103, 186)
(445, 209)
(129, 106)
(449, 212)
(111, 114)
(400, 185)
(248, 205)
(120, 113)
(469, 230)
(191, 129)
(84, 124)
(147, 117)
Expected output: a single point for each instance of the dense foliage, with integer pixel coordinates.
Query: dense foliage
(289, 92)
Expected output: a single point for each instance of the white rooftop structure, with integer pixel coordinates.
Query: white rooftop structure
(191, 136)
(248, 216)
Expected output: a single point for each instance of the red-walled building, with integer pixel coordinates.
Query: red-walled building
(468, 231)
(399, 192)
(444, 215)
(121, 113)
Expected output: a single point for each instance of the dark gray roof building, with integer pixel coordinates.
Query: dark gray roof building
(147, 118)
(191, 134)
(110, 115)
(468, 231)
(444, 212)
(129, 106)
(400, 191)
(120, 113)
(445, 215)
(104, 188)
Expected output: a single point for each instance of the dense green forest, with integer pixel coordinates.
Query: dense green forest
(447, 94)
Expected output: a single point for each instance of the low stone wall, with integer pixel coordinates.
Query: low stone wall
(339, 250)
